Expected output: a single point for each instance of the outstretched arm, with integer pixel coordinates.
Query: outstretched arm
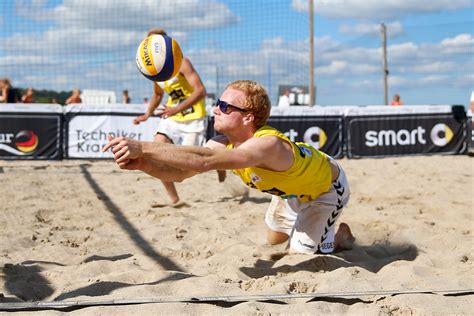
(158, 170)
(268, 152)
(153, 168)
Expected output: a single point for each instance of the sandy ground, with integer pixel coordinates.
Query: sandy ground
(87, 231)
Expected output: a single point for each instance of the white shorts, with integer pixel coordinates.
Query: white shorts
(310, 225)
(190, 133)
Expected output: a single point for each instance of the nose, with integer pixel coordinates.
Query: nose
(216, 110)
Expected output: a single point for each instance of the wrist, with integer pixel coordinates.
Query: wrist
(146, 149)
(182, 106)
(143, 151)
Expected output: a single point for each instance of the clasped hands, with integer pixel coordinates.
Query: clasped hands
(127, 152)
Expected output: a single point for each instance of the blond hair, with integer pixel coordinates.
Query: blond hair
(257, 101)
(6, 81)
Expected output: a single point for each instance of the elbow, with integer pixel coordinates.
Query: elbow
(179, 179)
(183, 176)
(202, 92)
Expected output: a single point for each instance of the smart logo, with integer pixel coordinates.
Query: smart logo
(393, 138)
(441, 134)
(316, 137)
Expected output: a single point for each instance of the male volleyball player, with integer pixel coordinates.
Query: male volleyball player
(309, 188)
(184, 116)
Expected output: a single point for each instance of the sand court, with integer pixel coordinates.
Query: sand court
(84, 230)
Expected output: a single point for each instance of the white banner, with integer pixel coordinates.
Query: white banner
(87, 132)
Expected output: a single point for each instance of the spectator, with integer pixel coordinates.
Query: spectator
(396, 101)
(145, 101)
(28, 97)
(7, 93)
(284, 100)
(75, 97)
(125, 97)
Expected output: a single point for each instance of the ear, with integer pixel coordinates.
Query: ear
(248, 119)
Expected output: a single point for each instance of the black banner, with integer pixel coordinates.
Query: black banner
(30, 136)
(323, 133)
(470, 132)
(412, 134)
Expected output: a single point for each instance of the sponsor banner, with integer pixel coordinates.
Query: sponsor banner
(412, 134)
(87, 131)
(30, 136)
(324, 133)
(470, 130)
(471, 133)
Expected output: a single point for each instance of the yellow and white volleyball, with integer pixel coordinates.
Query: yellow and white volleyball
(159, 57)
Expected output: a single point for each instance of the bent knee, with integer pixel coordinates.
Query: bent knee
(274, 238)
(162, 138)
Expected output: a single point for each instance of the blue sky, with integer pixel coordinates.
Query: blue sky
(91, 45)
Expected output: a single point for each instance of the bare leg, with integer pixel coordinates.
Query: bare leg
(171, 190)
(344, 240)
(275, 238)
(169, 186)
(221, 175)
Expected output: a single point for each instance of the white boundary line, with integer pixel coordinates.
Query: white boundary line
(212, 299)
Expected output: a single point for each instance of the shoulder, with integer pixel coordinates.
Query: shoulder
(265, 143)
(186, 65)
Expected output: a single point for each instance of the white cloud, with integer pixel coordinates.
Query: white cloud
(334, 68)
(378, 10)
(463, 43)
(465, 81)
(399, 81)
(119, 15)
(103, 27)
(72, 41)
(340, 67)
(353, 54)
(432, 67)
(434, 79)
(366, 84)
(403, 52)
(411, 64)
(103, 54)
(372, 29)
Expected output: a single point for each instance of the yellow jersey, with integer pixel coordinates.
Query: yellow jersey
(308, 177)
(178, 89)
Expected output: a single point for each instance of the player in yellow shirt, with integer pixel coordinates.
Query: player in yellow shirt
(309, 188)
(184, 116)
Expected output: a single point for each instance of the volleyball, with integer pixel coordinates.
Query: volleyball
(159, 57)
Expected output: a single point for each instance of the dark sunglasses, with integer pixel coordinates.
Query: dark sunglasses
(224, 107)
